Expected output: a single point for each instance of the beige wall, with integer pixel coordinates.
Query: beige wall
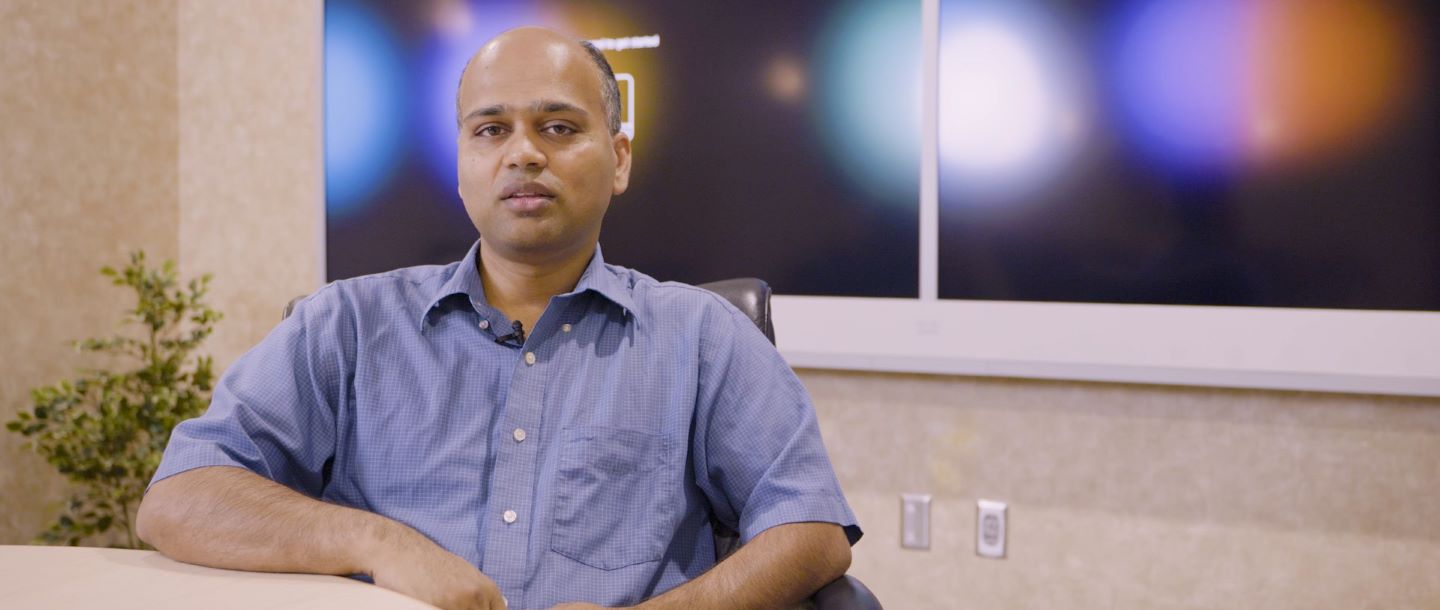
(1140, 496)
(191, 128)
(87, 173)
(251, 171)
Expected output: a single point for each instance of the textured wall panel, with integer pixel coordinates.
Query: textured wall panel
(251, 191)
(87, 173)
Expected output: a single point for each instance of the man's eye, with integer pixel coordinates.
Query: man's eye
(560, 129)
(489, 131)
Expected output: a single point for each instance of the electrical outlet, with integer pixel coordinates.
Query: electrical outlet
(915, 521)
(990, 528)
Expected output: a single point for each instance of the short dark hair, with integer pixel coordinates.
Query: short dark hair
(609, 88)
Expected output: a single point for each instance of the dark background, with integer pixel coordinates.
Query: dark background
(728, 181)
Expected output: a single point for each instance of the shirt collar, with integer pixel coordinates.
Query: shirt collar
(597, 278)
(600, 279)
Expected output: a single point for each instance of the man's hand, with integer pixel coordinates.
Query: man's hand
(419, 568)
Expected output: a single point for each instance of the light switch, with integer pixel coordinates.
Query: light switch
(990, 529)
(915, 521)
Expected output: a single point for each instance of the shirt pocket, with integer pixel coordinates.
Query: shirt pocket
(612, 507)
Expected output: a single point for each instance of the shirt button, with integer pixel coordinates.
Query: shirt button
(510, 516)
(565, 328)
(484, 324)
(519, 435)
(529, 357)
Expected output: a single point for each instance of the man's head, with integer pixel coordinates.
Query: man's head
(609, 92)
(540, 152)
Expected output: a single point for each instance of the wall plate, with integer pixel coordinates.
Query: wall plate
(991, 525)
(915, 521)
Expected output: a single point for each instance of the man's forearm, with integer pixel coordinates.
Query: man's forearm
(232, 518)
(777, 569)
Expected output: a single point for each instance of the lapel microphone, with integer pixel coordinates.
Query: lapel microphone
(517, 335)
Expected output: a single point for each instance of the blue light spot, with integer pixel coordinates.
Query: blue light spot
(1180, 79)
(868, 57)
(364, 107)
(443, 59)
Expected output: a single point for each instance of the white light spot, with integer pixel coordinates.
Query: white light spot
(996, 109)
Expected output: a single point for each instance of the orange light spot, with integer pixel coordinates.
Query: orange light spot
(1329, 73)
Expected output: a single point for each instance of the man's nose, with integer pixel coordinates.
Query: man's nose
(523, 151)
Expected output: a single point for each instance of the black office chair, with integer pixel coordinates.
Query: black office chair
(752, 297)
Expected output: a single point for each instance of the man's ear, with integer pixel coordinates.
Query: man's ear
(621, 144)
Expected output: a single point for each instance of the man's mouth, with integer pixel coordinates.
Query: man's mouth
(527, 196)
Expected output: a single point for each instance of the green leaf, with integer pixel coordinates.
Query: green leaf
(106, 430)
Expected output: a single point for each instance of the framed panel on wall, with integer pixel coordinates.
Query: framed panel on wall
(1212, 192)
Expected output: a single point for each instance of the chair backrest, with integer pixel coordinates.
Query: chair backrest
(290, 307)
(751, 296)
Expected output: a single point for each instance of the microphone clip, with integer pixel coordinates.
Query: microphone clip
(517, 335)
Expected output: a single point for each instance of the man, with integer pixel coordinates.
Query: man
(529, 425)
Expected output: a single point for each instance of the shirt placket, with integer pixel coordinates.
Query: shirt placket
(516, 463)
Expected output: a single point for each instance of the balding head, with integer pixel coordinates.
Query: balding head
(542, 42)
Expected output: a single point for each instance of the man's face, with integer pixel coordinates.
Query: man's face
(537, 162)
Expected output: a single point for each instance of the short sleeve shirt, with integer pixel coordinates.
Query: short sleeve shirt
(584, 464)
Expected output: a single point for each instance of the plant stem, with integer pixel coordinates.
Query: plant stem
(125, 521)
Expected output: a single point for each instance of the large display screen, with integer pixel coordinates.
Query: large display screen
(771, 139)
(1190, 152)
(1272, 153)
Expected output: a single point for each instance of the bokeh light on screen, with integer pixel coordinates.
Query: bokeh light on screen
(868, 80)
(1215, 86)
(1178, 70)
(467, 26)
(363, 107)
(1327, 74)
(1010, 110)
(785, 79)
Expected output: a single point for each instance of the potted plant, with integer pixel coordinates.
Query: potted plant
(104, 430)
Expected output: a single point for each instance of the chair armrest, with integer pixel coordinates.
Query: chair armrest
(845, 593)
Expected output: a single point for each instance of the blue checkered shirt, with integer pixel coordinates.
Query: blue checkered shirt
(584, 466)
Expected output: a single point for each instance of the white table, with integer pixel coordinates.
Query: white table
(82, 578)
